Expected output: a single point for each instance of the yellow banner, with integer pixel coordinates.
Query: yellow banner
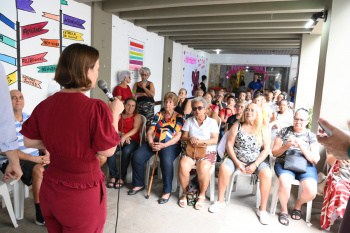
(12, 78)
(72, 35)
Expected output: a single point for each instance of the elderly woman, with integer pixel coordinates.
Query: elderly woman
(130, 142)
(167, 145)
(299, 138)
(199, 93)
(198, 129)
(240, 106)
(248, 149)
(122, 91)
(183, 106)
(144, 93)
(213, 107)
(208, 111)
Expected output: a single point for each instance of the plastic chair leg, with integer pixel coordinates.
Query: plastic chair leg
(18, 199)
(229, 189)
(258, 194)
(6, 199)
(274, 199)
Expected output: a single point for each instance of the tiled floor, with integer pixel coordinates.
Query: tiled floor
(138, 214)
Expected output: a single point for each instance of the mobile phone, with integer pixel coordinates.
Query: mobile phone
(327, 131)
(145, 80)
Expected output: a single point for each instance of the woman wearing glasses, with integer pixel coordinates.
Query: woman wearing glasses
(296, 137)
(198, 129)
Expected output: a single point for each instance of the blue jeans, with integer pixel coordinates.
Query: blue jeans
(126, 155)
(166, 156)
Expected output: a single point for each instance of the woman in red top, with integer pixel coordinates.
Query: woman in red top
(130, 142)
(74, 128)
(123, 91)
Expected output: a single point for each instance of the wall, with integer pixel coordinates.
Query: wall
(177, 68)
(122, 31)
(35, 85)
(306, 86)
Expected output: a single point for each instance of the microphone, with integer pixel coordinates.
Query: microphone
(103, 86)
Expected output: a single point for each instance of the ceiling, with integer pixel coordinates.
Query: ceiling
(233, 26)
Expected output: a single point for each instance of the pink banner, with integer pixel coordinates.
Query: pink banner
(134, 67)
(38, 58)
(191, 60)
(260, 69)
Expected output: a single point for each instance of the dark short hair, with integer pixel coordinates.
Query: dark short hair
(131, 99)
(231, 97)
(204, 77)
(74, 64)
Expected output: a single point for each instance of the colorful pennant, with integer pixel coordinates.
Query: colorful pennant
(51, 16)
(72, 21)
(11, 78)
(72, 35)
(6, 40)
(34, 59)
(31, 81)
(25, 5)
(8, 22)
(47, 69)
(8, 59)
(50, 43)
(32, 30)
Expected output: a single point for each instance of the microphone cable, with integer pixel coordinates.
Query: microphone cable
(120, 169)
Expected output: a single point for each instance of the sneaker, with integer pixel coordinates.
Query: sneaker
(39, 222)
(263, 217)
(216, 206)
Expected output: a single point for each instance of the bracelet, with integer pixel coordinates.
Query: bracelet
(256, 165)
(349, 152)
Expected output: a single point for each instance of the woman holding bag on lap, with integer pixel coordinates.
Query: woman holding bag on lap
(290, 142)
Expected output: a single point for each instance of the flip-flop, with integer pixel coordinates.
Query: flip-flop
(120, 185)
(297, 214)
(110, 184)
(283, 216)
(199, 205)
(183, 203)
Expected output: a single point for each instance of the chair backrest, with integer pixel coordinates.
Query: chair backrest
(143, 129)
(219, 123)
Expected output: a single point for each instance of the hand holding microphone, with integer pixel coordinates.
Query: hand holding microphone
(115, 105)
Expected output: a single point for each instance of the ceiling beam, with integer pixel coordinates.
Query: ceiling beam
(242, 43)
(247, 47)
(252, 40)
(133, 5)
(259, 18)
(229, 9)
(226, 26)
(237, 32)
(202, 37)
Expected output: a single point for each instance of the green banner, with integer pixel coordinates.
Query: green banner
(136, 58)
(63, 2)
(47, 69)
(8, 41)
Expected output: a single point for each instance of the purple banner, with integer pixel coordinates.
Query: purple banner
(74, 22)
(135, 49)
(135, 62)
(25, 5)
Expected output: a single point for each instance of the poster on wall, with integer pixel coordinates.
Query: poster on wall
(195, 66)
(136, 54)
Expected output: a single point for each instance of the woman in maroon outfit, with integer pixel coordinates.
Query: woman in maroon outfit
(74, 128)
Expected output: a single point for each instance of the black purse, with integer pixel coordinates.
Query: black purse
(295, 161)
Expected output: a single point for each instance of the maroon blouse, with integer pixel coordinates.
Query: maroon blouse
(73, 127)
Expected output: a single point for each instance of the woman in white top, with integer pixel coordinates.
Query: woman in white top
(284, 114)
(198, 129)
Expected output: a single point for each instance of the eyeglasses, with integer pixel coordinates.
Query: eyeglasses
(200, 108)
(299, 119)
(144, 74)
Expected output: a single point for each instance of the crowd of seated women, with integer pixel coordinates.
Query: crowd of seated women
(245, 120)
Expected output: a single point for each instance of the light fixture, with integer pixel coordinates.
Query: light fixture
(217, 51)
(314, 17)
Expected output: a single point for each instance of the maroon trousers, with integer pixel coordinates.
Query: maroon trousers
(73, 210)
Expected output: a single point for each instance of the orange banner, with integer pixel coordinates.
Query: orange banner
(31, 81)
(51, 16)
(50, 43)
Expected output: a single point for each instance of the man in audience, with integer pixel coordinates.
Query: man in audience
(269, 98)
(275, 105)
(249, 97)
(255, 85)
(219, 100)
(242, 96)
(31, 163)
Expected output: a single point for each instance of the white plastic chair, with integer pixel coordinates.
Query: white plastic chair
(128, 178)
(6, 201)
(276, 182)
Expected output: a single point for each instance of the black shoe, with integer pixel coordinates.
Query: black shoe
(163, 200)
(133, 192)
(39, 222)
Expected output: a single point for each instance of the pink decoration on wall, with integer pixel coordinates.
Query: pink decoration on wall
(260, 69)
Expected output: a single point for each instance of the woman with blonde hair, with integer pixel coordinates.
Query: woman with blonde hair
(248, 149)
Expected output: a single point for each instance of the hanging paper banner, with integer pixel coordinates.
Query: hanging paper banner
(136, 53)
(72, 21)
(50, 43)
(51, 16)
(47, 69)
(11, 78)
(8, 41)
(34, 59)
(63, 2)
(31, 81)
(8, 22)
(8, 59)
(32, 30)
(72, 35)
(25, 5)
(191, 60)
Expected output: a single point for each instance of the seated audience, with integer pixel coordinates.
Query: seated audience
(227, 112)
(242, 95)
(123, 91)
(249, 97)
(183, 106)
(212, 93)
(130, 142)
(248, 147)
(298, 138)
(213, 107)
(33, 165)
(336, 191)
(275, 105)
(167, 145)
(199, 93)
(219, 100)
(240, 106)
(144, 92)
(198, 129)
(208, 111)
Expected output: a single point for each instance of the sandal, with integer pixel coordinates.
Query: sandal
(110, 184)
(199, 205)
(297, 214)
(120, 185)
(183, 203)
(283, 216)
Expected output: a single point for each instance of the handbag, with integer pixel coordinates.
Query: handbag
(295, 161)
(322, 180)
(197, 152)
